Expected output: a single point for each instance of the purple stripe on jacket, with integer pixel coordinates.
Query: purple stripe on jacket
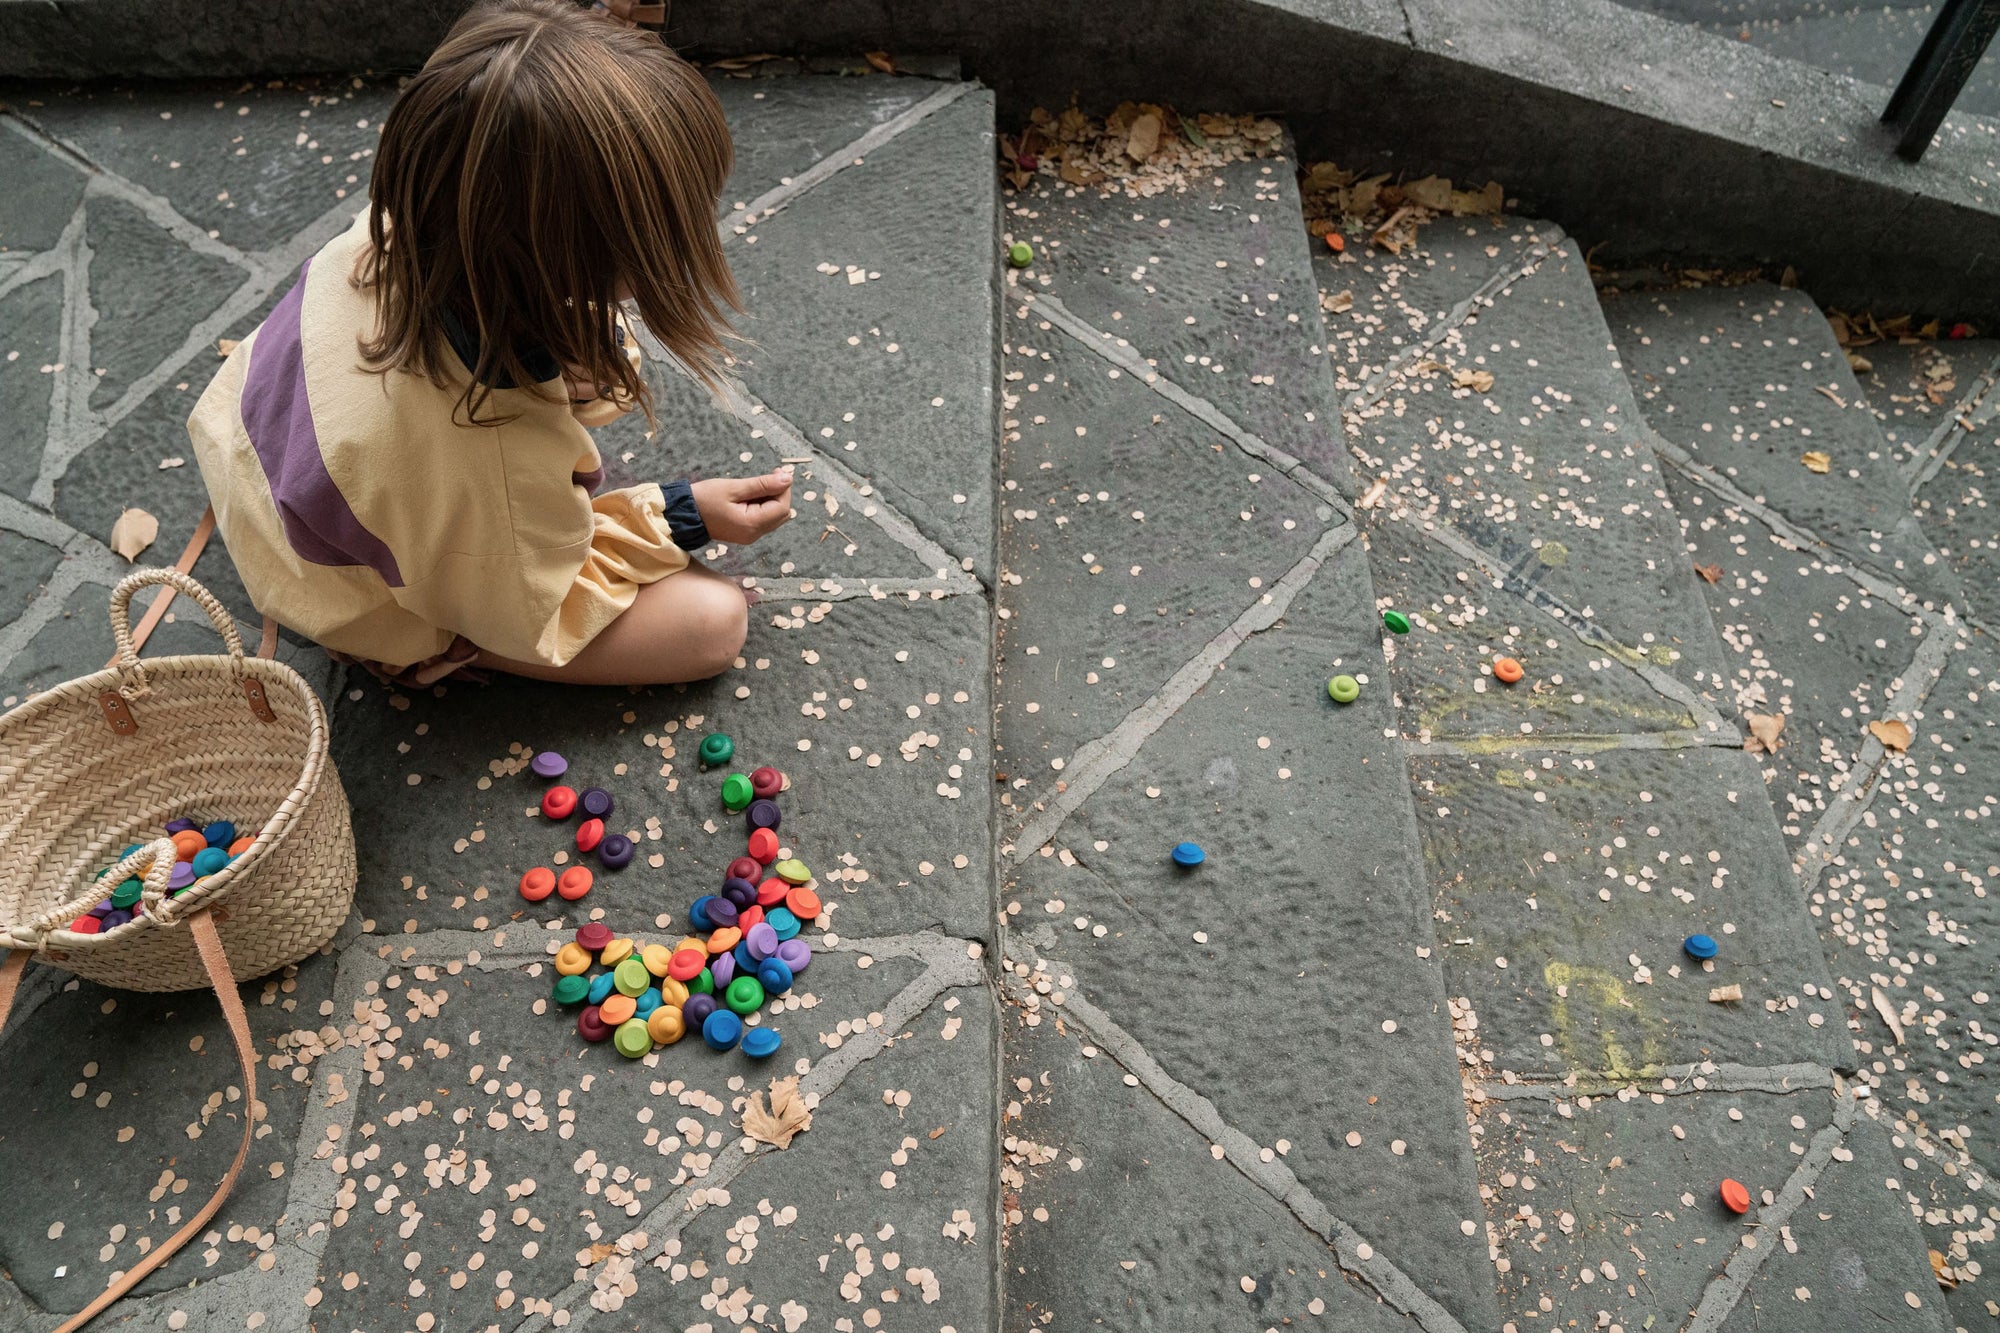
(319, 524)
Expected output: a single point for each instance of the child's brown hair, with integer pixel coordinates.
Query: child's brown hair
(543, 165)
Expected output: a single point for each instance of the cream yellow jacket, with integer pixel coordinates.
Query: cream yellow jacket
(360, 513)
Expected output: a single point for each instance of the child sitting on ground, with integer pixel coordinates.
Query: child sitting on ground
(397, 456)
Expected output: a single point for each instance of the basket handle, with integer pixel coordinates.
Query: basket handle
(132, 673)
(216, 961)
(156, 858)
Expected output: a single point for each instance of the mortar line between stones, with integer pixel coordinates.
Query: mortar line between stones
(1388, 1281)
(1779, 1079)
(31, 270)
(1664, 683)
(1939, 445)
(880, 590)
(839, 160)
(1096, 760)
(947, 966)
(1378, 384)
(71, 384)
(158, 210)
(1120, 353)
(1911, 689)
(1806, 540)
(1729, 1285)
(266, 270)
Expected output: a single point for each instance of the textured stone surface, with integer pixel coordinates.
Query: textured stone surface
(1748, 380)
(1246, 755)
(367, 1191)
(1612, 1206)
(1102, 1178)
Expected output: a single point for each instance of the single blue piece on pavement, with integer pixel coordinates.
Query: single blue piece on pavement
(1189, 854)
(1700, 947)
(759, 1043)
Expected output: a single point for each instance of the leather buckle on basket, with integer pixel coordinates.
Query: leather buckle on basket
(253, 689)
(118, 713)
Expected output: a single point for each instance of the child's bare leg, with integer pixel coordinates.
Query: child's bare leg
(689, 626)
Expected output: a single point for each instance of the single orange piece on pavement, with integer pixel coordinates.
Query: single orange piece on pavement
(1506, 669)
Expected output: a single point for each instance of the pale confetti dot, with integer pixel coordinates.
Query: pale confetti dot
(1201, 937)
(1263, 742)
(1217, 1151)
(1398, 1147)
(55, 1230)
(179, 1318)
(1909, 1297)
(1801, 1293)
(804, 744)
(1364, 1251)
(414, 779)
(888, 1180)
(1388, 1025)
(1249, 1284)
(1131, 1081)
(1499, 962)
(1315, 1306)
(125, 1134)
(1468, 1226)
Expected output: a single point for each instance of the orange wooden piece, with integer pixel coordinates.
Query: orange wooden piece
(538, 884)
(1735, 1197)
(617, 1007)
(1506, 669)
(804, 903)
(575, 882)
(722, 941)
(187, 843)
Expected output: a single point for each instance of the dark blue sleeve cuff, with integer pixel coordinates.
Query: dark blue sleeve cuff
(683, 517)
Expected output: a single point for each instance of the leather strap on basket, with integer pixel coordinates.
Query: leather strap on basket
(209, 945)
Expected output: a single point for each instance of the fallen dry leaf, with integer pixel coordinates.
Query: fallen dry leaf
(1372, 497)
(1479, 381)
(1335, 303)
(1893, 734)
(788, 1115)
(1764, 729)
(1942, 1271)
(1713, 573)
(1859, 364)
(1887, 1012)
(880, 60)
(1725, 994)
(938, 1133)
(597, 1253)
(133, 532)
(1838, 401)
(1816, 461)
(1143, 138)
(224, 346)
(1398, 230)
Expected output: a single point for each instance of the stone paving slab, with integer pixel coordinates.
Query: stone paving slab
(1546, 471)
(864, 362)
(872, 639)
(1576, 878)
(1958, 505)
(1605, 1212)
(1735, 377)
(1236, 747)
(1117, 1211)
(925, 867)
(124, 1109)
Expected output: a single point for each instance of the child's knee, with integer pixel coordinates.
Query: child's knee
(723, 624)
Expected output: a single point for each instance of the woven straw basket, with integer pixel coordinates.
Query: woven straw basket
(104, 761)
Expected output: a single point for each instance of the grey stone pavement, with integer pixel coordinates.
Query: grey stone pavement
(1870, 42)
(1078, 546)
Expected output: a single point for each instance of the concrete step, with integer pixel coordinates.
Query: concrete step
(1579, 825)
(1179, 578)
(875, 613)
(1839, 613)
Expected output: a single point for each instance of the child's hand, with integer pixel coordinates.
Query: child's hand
(739, 510)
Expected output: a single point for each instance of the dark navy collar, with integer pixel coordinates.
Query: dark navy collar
(536, 360)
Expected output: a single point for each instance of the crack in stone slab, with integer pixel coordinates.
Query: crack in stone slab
(1483, 295)
(949, 964)
(1687, 1080)
(1095, 761)
(1389, 1283)
(1954, 430)
(1120, 353)
(1507, 579)
(839, 160)
(1729, 1285)
(1910, 690)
